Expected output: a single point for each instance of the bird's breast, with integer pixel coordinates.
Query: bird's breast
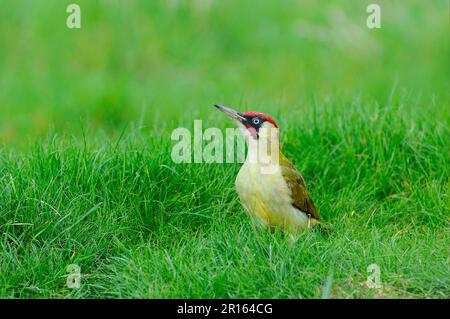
(265, 196)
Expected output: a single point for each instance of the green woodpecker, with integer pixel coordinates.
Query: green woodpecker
(270, 188)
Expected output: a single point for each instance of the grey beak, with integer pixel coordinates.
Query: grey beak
(231, 113)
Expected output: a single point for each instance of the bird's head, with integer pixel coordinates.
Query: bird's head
(255, 125)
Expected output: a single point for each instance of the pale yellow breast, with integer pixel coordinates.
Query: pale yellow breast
(266, 197)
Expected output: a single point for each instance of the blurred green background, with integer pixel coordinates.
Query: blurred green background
(149, 62)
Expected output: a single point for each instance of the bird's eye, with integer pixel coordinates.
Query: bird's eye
(255, 121)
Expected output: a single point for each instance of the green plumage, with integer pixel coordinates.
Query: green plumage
(296, 184)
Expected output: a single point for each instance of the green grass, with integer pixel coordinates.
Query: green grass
(141, 226)
(86, 175)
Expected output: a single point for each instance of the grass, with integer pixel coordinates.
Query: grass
(141, 226)
(86, 175)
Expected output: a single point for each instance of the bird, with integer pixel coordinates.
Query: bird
(270, 188)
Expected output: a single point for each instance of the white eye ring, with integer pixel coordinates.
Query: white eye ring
(255, 121)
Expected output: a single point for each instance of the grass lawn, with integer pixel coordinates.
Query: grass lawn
(86, 175)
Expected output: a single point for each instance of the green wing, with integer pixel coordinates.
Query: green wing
(300, 197)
